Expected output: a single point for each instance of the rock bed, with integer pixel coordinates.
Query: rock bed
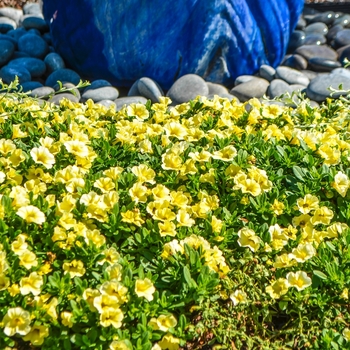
(314, 62)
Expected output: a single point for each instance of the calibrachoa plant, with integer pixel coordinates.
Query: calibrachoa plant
(161, 227)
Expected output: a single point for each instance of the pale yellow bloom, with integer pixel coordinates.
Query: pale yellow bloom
(346, 333)
(77, 148)
(41, 155)
(75, 268)
(303, 252)
(248, 238)
(31, 214)
(299, 280)
(111, 317)
(169, 342)
(341, 183)
(37, 335)
(167, 228)
(17, 321)
(322, 215)
(31, 284)
(67, 319)
(238, 297)
(277, 288)
(145, 288)
(164, 322)
(28, 259)
(307, 204)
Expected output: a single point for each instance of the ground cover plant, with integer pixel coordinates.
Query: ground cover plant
(210, 224)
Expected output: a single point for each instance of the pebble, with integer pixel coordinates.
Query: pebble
(267, 72)
(291, 76)
(318, 89)
(150, 89)
(187, 88)
(121, 102)
(57, 98)
(106, 103)
(342, 38)
(35, 66)
(42, 92)
(343, 20)
(33, 44)
(317, 27)
(72, 89)
(6, 51)
(223, 95)
(309, 51)
(97, 84)
(30, 85)
(333, 31)
(31, 8)
(99, 94)
(216, 89)
(278, 87)
(7, 24)
(11, 13)
(322, 64)
(62, 75)
(315, 39)
(296, 61)
(54, 62)
(33, 22)
(243, 79)
(8, 74)
(326, 18)
(255, 87)
(297, 39)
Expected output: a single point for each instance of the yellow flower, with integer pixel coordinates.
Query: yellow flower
(15, 321)
(278, 288)
(19, 246)
(115, 289)
(111, 256)
(341, 183)
(238, 297)
(113, 173)
(248, 238)
(137, 110)
(114, 271)
(111, 317)
(184, 219)
(144, 173)
(67, 319)
(216, 224)
(322, 215)
(346, 334)
(167, 228)
(299, 280)
(226, 154)
(17, 157)
(277, 207)
(77, 148)
(20, 196)
(6, 146)
(307, 204)
(171, 162)
(105, 184)
(169, 342)
(75, 268)
(31, 284)
(302, 220)
(145, 288)
(303, 252)
(17, 132)
(171, 248)
(28, 259)
(13, 290)
(41, 155)
(132, 217)
(250, 186)
(138, 193)
(118, 345)
(175, 129)
(37, 335)
(31, 214)
(4, 282)
(161, 193)
(164, 322)
(283, 261)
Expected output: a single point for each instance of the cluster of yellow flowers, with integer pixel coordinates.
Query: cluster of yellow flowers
(64, 185)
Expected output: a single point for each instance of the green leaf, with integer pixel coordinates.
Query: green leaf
(320, 274)
(299, 173)
(187, 275)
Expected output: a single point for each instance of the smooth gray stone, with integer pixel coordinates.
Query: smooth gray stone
(11, 13)
(106, 103)
(325, 17)
(297, 87)
(31, 8)
(223, 95)
(314, 104)
(121, 102)
(315, 39)
(309, 73)
(291, 76)
(99, 94)
(333, 31)
(73, 90)
(320, 64)
(318, 87)
(134, 90)
(278, 87)
(309, 51)
(296, 61)
(34, 31)
(16, 33)
(216, 89)
(19, 54)
(8, 74)
(42, 92)
(97, 84)
(255, 87)
(187, 88)
(35, 66)
(24, 17)
(6, 51)
(33, 44)
(57, 98)
(296, 40)
(267, 72)
(54, 62)
(301, 24)
(62, 75)
(33, 22)
(7, 24)
(30, 85)
(342, 38)
(317, 27)
(149, 89)
(343, 20)
(342, 71)
(243, 79)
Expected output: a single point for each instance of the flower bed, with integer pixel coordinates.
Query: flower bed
(160, 227)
